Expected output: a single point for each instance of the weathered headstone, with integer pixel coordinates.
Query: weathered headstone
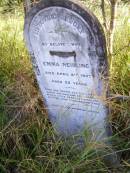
(68, 51)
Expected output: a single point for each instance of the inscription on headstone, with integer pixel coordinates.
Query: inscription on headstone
(68, 52)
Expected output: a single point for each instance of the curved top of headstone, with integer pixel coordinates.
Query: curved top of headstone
(85, 13)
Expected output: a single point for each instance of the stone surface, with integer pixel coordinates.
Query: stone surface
(68, 51)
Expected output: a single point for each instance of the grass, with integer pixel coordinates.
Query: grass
(28, 142)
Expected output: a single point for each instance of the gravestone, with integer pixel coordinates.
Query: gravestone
(68, 50)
